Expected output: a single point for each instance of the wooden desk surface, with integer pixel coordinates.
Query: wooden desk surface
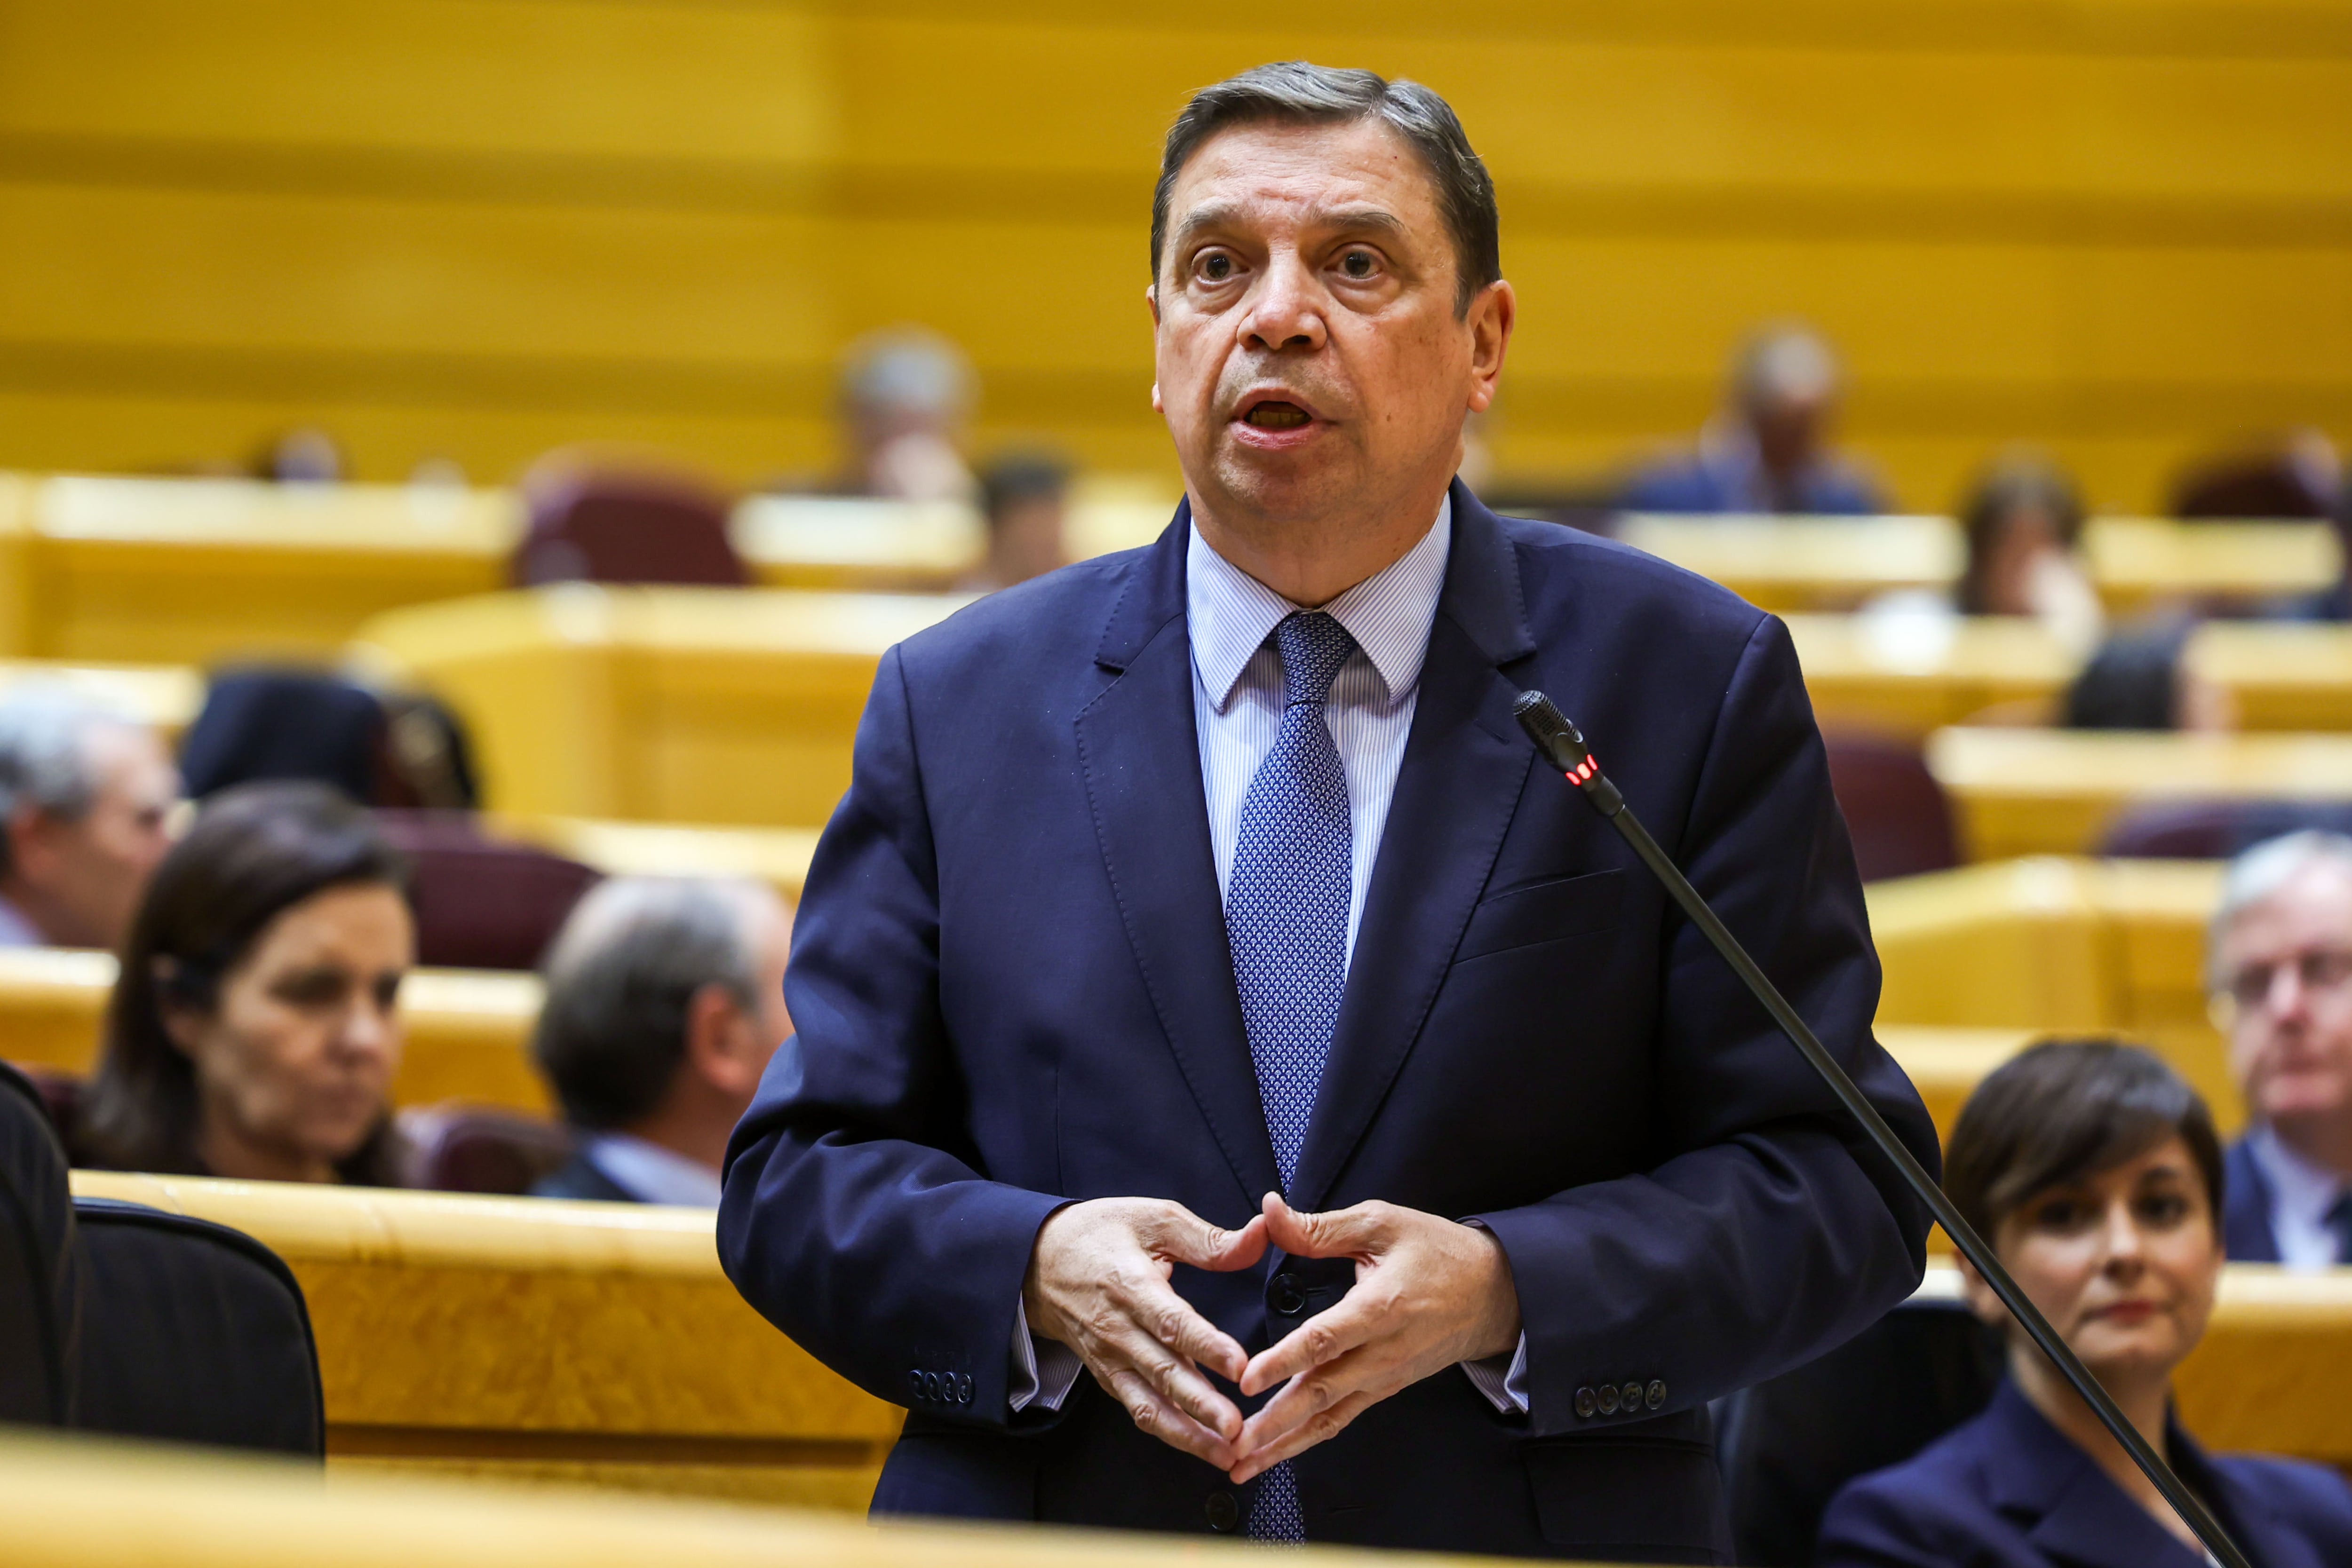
(77, 1503)
(1798, 564)
(1913, 675)
(712, 706)
(2059, 945)
(2050, 791)
(526, 1336)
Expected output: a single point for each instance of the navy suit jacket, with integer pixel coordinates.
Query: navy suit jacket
(1012, 990)
(2009, 1490)
(2247, 1233)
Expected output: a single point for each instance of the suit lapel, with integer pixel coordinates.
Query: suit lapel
(1141, 759)
(1466, 765)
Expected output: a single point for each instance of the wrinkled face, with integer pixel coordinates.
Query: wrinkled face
(2284, 970)
(295, 1061)
(2123, 1263)
(1310, 361)
(96, 866)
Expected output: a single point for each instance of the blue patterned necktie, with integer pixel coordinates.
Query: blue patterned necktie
(1287, 923)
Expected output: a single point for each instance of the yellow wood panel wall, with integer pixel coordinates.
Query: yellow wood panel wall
(478, 227)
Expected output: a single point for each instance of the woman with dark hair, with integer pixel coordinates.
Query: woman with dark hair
(251, 1033)
(2022, 521)
(2140, 678)
(2095, 1172)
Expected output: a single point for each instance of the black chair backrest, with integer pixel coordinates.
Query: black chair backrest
(39, 1268)
(1789, 1444)
(193, 1333)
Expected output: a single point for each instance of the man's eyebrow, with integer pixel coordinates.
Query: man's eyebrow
(1348, 219)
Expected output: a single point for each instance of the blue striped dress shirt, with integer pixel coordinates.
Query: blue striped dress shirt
(1229, 617)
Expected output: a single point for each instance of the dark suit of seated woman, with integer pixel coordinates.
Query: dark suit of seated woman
(2095, 1172)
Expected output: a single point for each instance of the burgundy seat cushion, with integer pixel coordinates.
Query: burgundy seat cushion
(480, 903)
(587, 526)
(467, 1148)
(1899, 815)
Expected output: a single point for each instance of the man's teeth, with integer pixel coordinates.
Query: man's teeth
(1277, 416)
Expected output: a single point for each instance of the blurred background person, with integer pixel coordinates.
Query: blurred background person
(2095, 1172)
(664, 1001)
(906, 392)
(302, 455)
(2022, 523)
(2279, 966)
(2140, 678)
(252, 1032)
(1026, 501)
(86, 799)
(1769, 450)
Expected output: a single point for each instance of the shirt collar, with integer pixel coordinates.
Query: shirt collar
(652, 1173)
(2299, 1186)
(1230, 614)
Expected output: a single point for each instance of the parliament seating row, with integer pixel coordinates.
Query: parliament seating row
(601, 1342)
(1800, 564)
(199, 570)
(715, 705)
(1977, 961)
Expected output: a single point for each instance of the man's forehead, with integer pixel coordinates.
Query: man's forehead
(1265, 170)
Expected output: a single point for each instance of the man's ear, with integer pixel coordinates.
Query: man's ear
(32, 844)
(1151, 299)
(721, 1043)
(1494, 312)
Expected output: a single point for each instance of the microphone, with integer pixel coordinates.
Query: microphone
(1564, 747)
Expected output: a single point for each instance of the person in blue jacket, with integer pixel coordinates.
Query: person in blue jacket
(2096, 1172)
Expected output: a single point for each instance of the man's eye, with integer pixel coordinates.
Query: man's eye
(1357, 263)
(1216, 268)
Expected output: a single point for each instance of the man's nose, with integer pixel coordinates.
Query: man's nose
(1286, 308)
(2285, 997)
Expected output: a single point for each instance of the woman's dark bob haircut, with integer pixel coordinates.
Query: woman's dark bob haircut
(2063, 1111)
(255, 851)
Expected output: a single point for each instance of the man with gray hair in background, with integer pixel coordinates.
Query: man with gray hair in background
(86, 799)
(1767, 450)
(2279, 968)
(665, 999)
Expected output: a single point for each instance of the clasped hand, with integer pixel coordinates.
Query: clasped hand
(1428, 1293)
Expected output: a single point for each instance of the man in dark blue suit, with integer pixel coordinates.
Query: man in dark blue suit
(1201, 986)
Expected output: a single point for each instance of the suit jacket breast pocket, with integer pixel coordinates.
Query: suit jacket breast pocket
(1546, 911)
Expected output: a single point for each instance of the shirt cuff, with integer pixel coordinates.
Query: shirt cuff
(1504, 1383)
(1044, 1370)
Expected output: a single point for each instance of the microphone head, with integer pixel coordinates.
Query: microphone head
(1549, 728)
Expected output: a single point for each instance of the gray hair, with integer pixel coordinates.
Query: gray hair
(621, 978)
(45, 761)
(2260, 871)
(1783, 360)
(1299, 93)
(909, 367)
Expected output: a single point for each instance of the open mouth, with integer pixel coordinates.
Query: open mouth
(1276, 415)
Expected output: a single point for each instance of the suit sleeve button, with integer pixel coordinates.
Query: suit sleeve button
(1657, 1393)
(931, 1386)
(1633, 1396)
(1587, 1402)
(915, 1383)
(1609, 1399)
(1225, 1513)
(963, 1389)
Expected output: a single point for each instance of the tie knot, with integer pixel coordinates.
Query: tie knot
(1312, 647)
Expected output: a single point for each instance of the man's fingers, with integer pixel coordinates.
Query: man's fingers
(1314, 1429)
(1186, 1238)
(1352, 1321)
(1340, 1233)
(1169, 1324)
(1154, 1415)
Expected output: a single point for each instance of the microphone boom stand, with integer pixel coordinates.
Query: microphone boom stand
(1564, 747)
